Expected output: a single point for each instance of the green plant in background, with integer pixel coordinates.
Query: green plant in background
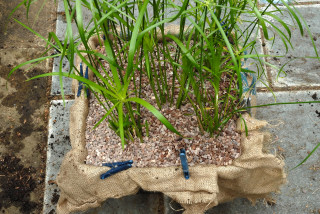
(206, 56)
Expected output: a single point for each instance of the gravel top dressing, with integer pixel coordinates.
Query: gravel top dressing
(160, 147)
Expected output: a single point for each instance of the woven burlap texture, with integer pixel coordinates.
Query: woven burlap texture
(253, 175)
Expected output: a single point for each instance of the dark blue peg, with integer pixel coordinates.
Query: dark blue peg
(184, 163)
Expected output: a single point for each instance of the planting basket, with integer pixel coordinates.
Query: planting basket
(253, 175)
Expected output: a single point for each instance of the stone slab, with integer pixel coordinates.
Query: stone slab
(60, 8)
(67, 82)
(61, 27)
(61, 23)
(301, 71)
(58, 146)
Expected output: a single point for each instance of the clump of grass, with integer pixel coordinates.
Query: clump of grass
(213, 40)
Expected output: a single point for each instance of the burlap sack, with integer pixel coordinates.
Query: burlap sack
(253, 175)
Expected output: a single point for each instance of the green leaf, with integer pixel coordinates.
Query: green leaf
(304, 160)
(294, 15)
(94, 70)
(12, 12)
(309, 33)
(80, 23)
(106, 115)
(119, 11)
(56, 39)
(245, 125)
(281, 22)
(35, 33)
(155, 112)
(31, 61)
(120, 113)
(226, 40)
(283, 37)
(148, 67)
(182, 9)
(92, 85)
(184, 50)
(133, 40)
(261, 20)
(147, 128)
(148, 42)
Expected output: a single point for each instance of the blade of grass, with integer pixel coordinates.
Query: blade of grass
(11, 13)
(34, 32)
(93, 85)
(304, 160)
(120, 115)
(106, 115)
(133, 41)
(226, 40)
(261, 20)
(155, 112)
(31, 61)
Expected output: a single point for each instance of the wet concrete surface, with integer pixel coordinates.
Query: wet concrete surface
(23, 108)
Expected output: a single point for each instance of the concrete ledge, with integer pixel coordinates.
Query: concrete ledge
(58, 146)
(67, 82)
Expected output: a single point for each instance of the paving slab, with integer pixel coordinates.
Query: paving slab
(67, 82)
(58, 146)
(301, 71)
(61, 25)
(60, 8)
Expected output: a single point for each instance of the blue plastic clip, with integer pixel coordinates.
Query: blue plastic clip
(246, 87)
(250, 89)
(86, 75)
(223, 25)
(184, 163)
(116, 167)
